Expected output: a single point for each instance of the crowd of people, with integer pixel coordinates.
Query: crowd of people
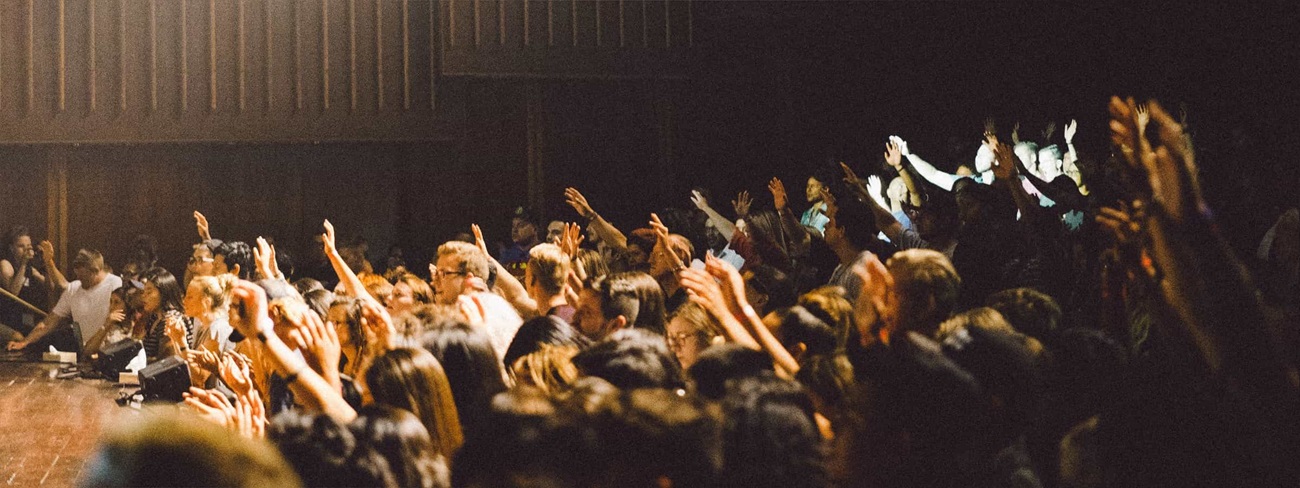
(1040, 317)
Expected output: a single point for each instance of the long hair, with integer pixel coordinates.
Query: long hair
(402, 439)
(471, 365)
(169, 290)
(414, 380)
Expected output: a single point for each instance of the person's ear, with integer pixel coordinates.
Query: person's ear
(234, 270)
(615, 324)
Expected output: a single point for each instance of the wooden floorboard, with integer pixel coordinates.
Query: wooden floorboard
(49, 426)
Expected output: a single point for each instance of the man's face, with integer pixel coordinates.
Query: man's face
(201, 262)
(193, 301)
(522, 231)
(588, 316)
(554, 232)
(23, 247)
(86, 275)
(814, 190)
(713, 236)
(448, 280)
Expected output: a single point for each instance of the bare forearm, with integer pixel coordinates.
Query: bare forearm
(782, 358)
(57, 282)
(347, 278)
(726, 227)
(514, 292)
(932, 174)
(609, 234)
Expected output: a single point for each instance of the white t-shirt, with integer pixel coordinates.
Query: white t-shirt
(87, 307)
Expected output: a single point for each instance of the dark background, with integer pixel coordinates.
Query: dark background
(771, 89)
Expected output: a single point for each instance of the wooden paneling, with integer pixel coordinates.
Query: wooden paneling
(218, 70)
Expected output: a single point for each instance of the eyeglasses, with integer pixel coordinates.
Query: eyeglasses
(678, 340)
(438, 273)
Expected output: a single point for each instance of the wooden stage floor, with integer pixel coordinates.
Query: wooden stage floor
(49, 426)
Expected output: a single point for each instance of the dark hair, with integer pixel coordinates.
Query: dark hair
(1009, 374)
(634, 295)
(541, 330)
(723, 362)
(593, 264)
(413, 379)
(632, 358)
(770, 437)
(320, 301)
(169, 290)
(237, 253)
(12, 235)
(471, 366)
(859, 224)
(325, 453)
(1031, 312)
(356, 332)
(636, 429)
(144, 252)
(827, 376)
(796, 325)
(398, 435)
(770, 281)
(304, 285)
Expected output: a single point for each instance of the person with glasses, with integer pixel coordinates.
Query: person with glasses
(459, 270)
(690, 331)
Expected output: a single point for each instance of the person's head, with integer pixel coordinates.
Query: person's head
(632, 358)
(412, 379)
(654, 437)
(522, 230)
(409, 291)
(621, 300)
(161, 292)
(88, 267)
(936, 219)
(203, 259)
(726, 362)
(304, 285)
(543, 330)
(400, 437)
(1049, 162)
(456, 263)
(661, 264)
(472, 367)
(554, 231)
(926, 286)
(813, 190)
(324, 452)
(171, 449)
(235, 258)
(18, 244)
(1028, 153)
(345, 316)
(592, 263)
(801, 332)
(1029, 311)
(770, 437)
(319, 300)
(979, 203)
(1007, 369)
(897, 190)
(548, 267)
(378, 287)
(829, 380)
(690, 331)
(853, 227)
(828, 304)
(767, 288)
(549, 369)
(208, 296)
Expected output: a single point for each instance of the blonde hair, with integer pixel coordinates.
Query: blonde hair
(703, 324)
(469, 259)
(550, 368)
(549, 266)
(216, 289)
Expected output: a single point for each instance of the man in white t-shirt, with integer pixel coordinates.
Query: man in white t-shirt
(84, 303)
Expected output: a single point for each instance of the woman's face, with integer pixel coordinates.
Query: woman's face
(338, 316)
(194, 300)
(402, 299)
(22, 247)
(150, 298)
(684, 342)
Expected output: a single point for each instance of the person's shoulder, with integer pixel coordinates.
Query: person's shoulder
(114, 280)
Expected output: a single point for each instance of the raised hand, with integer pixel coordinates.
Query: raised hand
(902, 145)
(894, 153)
(201, 223)
(989, 126)
(235, 373)
(1169, 169)
(661, 241)
(702, 289)
(876, 189)
(1070, 129)
(249, 309)
(249, 419)
(327, 239)
(263, 255)
(1143, 118)
(571, 239)
(478, 239)
(1122, 222)
(777, 188)
(700, 202)
(741, 204)
(877, 305)
(579, 203)
(176, 331)
(732, 283)
(375, 318)
(318, 342)
(47, 251)
(1004, 162)
(203, 359)
(210, 406)
(1049, 130)
(1015, 133)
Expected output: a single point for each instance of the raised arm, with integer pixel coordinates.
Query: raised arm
(57, 282)
(885, 219)
(347, 278)
(609, 234)
(913, 191)
(724, 226)
(509, 286)
(925, 169)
